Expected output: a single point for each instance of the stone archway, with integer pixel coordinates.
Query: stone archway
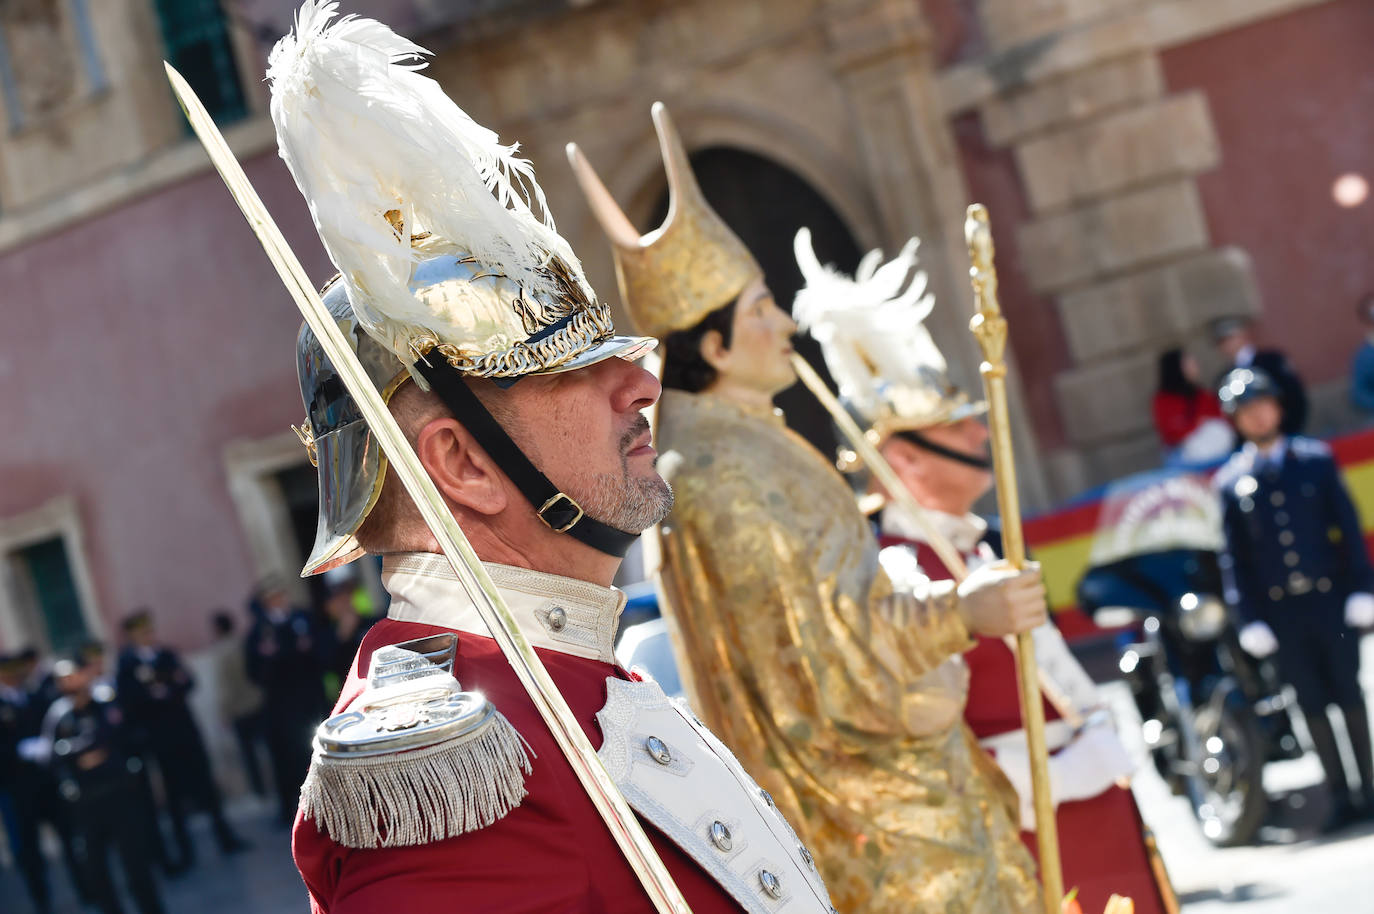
(765, 203)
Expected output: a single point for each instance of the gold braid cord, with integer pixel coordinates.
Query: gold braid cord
(584, 330)
(591, 323)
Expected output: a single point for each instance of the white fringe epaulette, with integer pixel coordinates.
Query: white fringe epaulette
(416, 761)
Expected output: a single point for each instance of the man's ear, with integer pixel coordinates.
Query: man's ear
(462, 471)
(713, 349)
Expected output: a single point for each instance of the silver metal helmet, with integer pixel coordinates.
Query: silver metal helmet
(503, 336)
(450, 264)
(350, 465)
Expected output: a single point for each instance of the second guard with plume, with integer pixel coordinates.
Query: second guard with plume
(828, 679)
(890, 372)
(472, 318)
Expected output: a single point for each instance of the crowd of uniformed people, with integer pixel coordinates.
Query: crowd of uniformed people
(103, 759)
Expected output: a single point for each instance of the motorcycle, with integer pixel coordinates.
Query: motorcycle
(1212, 715)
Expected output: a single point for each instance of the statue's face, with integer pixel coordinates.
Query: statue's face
(760, 353)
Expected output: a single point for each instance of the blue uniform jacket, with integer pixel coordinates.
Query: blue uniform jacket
(1291, 531)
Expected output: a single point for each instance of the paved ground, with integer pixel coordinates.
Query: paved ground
(1290, 871)
(259, 881)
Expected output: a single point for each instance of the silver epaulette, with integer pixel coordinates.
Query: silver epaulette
(415, 759)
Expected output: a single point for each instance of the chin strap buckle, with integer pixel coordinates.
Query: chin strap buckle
(561, 513)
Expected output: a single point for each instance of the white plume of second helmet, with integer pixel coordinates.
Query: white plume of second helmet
(871, 329)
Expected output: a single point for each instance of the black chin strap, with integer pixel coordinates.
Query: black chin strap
(558, 511)
(921, 441)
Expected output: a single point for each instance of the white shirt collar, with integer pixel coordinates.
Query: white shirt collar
(1273, 456)
(560, 614)
(963, 532)
(1246, 356)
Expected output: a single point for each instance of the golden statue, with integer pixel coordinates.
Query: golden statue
(839, 689)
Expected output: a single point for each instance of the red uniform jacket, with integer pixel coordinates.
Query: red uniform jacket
(1101, 840)
(552, 854)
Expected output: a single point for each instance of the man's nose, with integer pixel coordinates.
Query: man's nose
(635, 387)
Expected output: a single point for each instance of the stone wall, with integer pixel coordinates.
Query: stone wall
(112, 113)
(842, 92)
(1113, 228)
(1293, 127)
(1106, 169)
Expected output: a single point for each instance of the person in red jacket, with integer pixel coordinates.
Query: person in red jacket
(436, 786)
(1183, 409)
(934, 438)
(1101, 834)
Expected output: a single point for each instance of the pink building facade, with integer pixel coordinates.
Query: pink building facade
(1149, 164)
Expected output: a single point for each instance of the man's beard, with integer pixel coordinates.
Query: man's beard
(623, 501)
(632, 505)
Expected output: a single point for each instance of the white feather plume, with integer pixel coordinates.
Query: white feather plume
(364, 133)
(871, 327)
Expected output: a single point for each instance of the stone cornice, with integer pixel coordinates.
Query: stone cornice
(864, 33)
(1156, 25)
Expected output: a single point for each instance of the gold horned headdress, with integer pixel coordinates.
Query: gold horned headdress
(872, 333)
(693, 264)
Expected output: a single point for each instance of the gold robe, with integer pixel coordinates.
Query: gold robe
(841, 695)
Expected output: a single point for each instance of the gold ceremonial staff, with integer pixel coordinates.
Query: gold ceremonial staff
(609, 802)
(990, 329)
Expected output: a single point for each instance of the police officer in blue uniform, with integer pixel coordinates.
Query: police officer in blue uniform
(21, 781)
(89, 755)
(284, 653)
(1298, 575)
(153, 685)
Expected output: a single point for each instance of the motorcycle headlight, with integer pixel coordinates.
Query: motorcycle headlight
(1201, 618)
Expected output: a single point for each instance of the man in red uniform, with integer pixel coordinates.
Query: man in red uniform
(471, 316)
(890, 371)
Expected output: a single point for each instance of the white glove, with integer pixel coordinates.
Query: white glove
(1359, 610)
(1257, 639)
(996, 599)
(1089, 765)
(1093, 762)
(35, 749)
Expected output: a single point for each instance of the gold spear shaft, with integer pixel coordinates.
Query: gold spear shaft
(990, 329)
(609, 802)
